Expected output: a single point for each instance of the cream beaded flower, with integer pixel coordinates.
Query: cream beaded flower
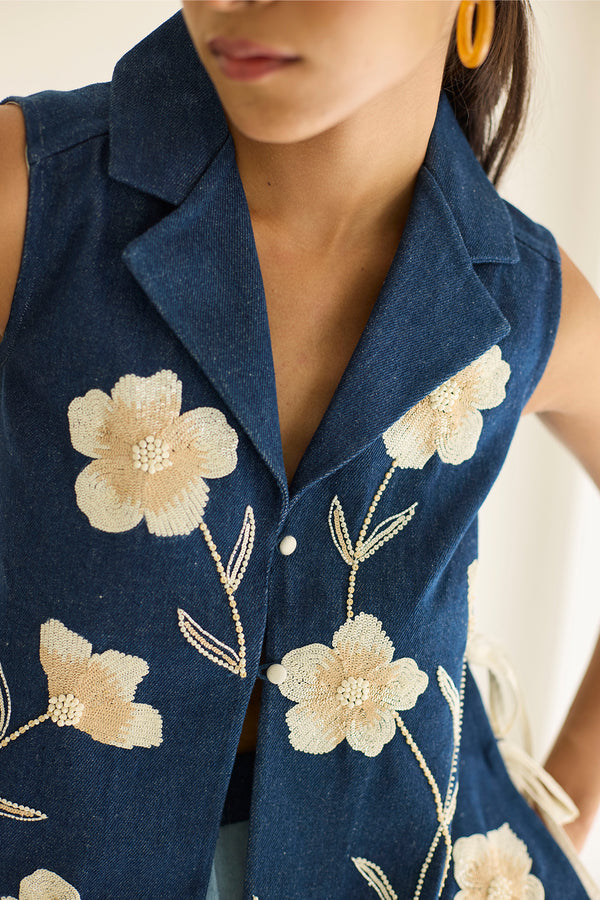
(351, 690)
(495, 866)
(448, 420)
(45, 885)
(149, 461)
(94, 692)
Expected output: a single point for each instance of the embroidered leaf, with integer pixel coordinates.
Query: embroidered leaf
(450, 692)
(18, 811)
(242, 550)
(339, 531)
(4, 704)
(375, 878)
(207, 644)
(385, 531)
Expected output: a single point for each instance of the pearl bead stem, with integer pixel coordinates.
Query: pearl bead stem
(437, 797)
(19, 731)
(361, 539)
(443, 826)
(239, 668)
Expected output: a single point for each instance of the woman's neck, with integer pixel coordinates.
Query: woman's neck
(347, 185)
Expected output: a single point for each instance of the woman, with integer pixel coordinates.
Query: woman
(208, 242)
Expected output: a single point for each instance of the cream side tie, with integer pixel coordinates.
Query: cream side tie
(534, 783)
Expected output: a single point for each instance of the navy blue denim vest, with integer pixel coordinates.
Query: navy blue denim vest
(154, 562)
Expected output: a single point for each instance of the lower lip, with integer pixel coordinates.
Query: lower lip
(251, 68)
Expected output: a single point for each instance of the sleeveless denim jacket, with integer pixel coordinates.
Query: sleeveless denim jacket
(154, 562)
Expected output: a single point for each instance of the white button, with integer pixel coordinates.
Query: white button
(288, 544)
(276, 673)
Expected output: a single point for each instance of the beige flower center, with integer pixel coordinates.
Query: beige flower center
(500, 888)
(444, 397)
(151, 455)
(65, 709)
(353, 691)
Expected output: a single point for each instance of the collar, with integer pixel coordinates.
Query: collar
(199, 266)
(166, 120)
(167, 125)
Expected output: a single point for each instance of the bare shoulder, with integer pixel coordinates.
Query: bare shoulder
(14, 185)
(566, 397)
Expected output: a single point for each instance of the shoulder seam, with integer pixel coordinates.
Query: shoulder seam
(60, 120)
(37, 158)
(535, 248)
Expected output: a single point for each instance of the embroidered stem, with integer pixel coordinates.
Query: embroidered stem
(451, 792)
(230, 580)
(455, 701)
(437, 797)
(19, 731)
(365, 546)
(4, 704)
(11, 810)
(361, 537)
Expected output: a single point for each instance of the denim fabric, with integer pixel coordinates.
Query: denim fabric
(140, 259)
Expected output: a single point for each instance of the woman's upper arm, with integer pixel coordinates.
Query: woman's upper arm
(14, 185)
(567, 397)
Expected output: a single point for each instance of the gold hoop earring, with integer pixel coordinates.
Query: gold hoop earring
(472, 51)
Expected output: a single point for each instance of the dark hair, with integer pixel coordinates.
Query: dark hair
(491, 102)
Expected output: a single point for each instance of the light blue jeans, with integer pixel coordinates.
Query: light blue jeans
(227, 876)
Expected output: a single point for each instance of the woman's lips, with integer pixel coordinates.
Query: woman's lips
(245, 60)
(250, 68)
(238, 48)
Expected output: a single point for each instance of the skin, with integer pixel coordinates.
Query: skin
(301, 138)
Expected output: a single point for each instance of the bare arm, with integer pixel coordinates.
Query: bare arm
(13, 203)
(567, 400)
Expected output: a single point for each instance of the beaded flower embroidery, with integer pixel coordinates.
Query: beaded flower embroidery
(93, 692)
(351, 690)
(448, 420)
(495, 865)
(149, 461)
(45, 885)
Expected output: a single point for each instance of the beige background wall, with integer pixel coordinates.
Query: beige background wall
(539, 589)
(540, 527)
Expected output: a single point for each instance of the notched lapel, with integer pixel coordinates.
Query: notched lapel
(200, 268)
(433, 317)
